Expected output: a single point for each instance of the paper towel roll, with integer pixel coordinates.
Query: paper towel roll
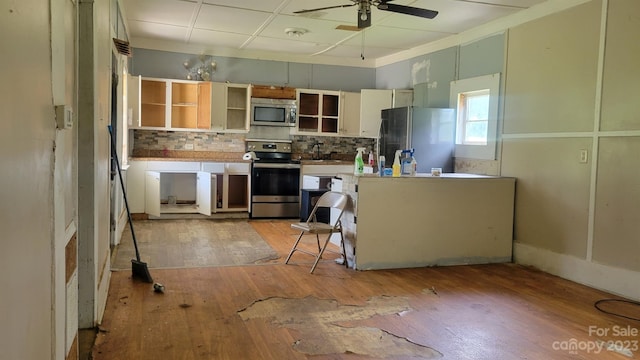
(249, 156)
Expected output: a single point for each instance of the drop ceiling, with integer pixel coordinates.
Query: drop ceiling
(256, 28)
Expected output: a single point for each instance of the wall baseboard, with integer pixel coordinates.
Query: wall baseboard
(607, 278)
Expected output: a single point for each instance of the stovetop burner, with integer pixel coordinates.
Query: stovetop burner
(272, 151)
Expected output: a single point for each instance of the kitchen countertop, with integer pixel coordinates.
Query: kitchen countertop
(189, 159)
(187, 155)
(240, 160)
(325, 162)
(427, 175)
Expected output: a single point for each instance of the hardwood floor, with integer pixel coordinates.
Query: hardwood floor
(501, 311)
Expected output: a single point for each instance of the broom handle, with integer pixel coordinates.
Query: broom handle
(126, 203)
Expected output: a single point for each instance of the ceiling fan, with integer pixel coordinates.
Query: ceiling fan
(364, 10)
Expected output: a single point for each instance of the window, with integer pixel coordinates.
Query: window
(476, 103)
(473, 117)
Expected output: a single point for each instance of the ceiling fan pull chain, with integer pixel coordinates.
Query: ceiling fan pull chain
(362, 46)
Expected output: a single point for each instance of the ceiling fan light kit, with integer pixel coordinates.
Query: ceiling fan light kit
(364, 10)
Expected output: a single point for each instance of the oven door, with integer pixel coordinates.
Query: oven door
(275, 190)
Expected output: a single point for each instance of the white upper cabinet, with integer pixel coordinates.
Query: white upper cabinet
(169, 104)
(318, 111)
(133, 100)
(373, 101)
(350, 114)
(230, 107)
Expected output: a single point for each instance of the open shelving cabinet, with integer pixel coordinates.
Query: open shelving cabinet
(318, 111)
(173, 104)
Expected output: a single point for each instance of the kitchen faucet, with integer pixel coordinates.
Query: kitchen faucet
(318, 157)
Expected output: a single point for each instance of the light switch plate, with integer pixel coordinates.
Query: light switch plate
(64, 117)
(584, 156)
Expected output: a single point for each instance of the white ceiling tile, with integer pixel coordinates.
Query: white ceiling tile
(262, 5)
(170, 12)
(321, 31)
(279, 45)
(215, 39)
(453, 17)
(230, 19)
(394, 38)
(347, 15)
(143, 29)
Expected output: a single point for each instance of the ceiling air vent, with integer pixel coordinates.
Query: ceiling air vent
(122, 47)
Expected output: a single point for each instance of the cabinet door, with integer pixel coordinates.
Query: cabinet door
(308, 110)
(152, 193)
(350, 115)
(135, 185)
(218, 106)
(203, 192)
(238, 100)
(133, 99)
(372, 101)
(330, 112)
(214, 192)
(204, 105)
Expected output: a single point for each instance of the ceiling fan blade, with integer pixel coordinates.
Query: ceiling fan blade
(323, 8)
(408, 10)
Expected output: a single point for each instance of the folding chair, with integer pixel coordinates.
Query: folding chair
(329, 199)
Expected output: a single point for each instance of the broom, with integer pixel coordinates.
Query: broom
(138, 268)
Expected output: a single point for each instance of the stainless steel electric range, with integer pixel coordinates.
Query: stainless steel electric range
(275, 180)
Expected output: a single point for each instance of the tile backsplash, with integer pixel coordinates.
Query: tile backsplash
(331, 147)
(182, 140)
(304, 146)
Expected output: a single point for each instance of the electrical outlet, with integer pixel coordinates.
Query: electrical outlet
(188, 146)
(584, 156)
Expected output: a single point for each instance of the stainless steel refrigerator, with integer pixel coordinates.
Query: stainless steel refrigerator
(430, 131)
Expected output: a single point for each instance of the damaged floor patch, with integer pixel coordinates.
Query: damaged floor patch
(318, 322)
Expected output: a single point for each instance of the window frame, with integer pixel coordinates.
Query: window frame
(492, 83)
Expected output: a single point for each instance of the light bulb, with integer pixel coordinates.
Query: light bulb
(363, 16)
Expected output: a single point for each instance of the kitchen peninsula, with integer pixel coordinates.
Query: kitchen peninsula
(424, 220)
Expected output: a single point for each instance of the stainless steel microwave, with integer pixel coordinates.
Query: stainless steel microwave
(273, 112)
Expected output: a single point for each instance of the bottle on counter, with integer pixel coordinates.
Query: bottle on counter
(381, 161)
(371, 161)
(396, 164)
(359, 163)
(413, 166)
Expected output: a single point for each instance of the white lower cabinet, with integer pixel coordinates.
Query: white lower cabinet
(174, 187)
(230, 184)
(177, 193)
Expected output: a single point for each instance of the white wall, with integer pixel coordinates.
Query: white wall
(95, 47)
(27, 137)
(39, 197)
(571, 86)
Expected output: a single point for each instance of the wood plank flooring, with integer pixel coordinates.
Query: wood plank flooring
(501, 311)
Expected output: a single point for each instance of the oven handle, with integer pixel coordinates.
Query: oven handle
(275, 166)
